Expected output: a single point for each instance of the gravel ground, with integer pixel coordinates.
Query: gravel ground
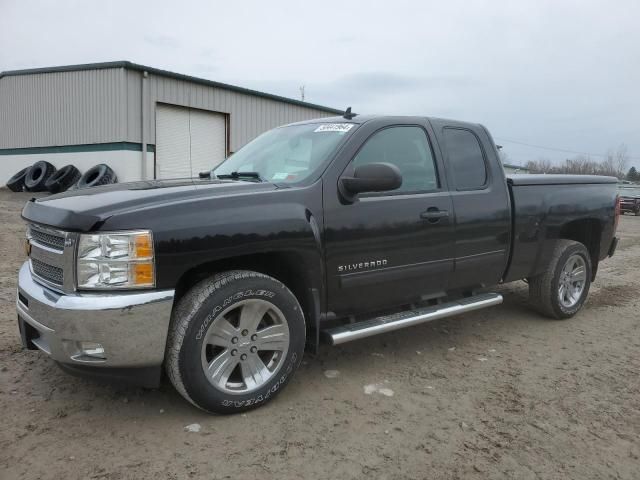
(499, 393)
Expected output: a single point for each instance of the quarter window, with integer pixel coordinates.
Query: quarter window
(466, 159)
(408, 149)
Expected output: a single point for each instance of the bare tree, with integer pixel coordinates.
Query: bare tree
(613, 164)
(542, 165)
(609, 163)
(622, 160)
(616, 161)
(580, 165)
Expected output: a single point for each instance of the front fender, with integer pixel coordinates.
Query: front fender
(286, 223)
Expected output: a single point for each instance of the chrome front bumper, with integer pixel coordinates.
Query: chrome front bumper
(131, 327)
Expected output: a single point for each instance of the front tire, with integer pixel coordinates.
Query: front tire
(235, 341)
(562, 289)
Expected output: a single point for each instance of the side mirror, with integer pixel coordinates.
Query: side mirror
(372, 177)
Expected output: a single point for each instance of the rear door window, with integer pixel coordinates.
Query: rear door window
(466, 159)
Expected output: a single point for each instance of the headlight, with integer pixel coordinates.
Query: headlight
(116, 260)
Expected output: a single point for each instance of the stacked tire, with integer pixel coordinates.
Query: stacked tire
(37, 176)
(16, 183)
(43, 176)
(101, 174)
(63, 179)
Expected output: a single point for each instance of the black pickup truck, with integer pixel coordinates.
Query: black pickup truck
(328, 230)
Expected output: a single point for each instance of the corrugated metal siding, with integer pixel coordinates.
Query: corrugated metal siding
(249, 115)
(101, 106)
(69, 108)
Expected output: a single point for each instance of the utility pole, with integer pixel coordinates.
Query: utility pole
(302, 93)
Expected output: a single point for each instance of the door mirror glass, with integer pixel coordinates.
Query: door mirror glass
(371, 177)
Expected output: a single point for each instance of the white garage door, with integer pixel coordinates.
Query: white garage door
(188, 141)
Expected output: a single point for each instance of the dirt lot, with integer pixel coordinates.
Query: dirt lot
(501, 393)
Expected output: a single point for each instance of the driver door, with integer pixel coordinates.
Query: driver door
(390, 248)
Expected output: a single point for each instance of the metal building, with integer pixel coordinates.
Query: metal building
(113, 112)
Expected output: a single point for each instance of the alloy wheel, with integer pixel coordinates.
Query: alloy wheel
(245, 346)
(572, 281)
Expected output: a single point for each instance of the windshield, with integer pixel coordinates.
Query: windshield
(287, 154)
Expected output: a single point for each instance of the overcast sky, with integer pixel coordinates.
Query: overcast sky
(561, 74)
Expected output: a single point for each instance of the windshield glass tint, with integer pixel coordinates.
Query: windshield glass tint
(287, 154)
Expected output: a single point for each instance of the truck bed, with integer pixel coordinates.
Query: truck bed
(552, 179)
(543, 210)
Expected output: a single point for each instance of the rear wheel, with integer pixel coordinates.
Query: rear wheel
(562, 289)
(236, 340)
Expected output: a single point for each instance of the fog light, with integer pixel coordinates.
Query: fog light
(92, 349)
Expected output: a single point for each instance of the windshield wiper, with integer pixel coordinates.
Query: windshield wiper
(239, 175)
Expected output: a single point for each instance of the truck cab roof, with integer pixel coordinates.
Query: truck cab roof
(361, 119)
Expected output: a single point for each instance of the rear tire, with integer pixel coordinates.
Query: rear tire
(235, 341)
(562, 289)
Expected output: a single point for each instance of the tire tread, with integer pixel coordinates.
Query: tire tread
(16, 182)
(541, 289)
(183, 313)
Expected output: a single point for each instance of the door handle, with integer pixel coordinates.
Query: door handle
(434, 214)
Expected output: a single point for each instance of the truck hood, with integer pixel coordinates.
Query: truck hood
(85, 209)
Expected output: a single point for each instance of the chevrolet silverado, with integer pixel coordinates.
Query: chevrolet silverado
(328, 230)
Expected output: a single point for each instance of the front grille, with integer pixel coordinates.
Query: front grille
(52, 253)
(47, 272)
(47, 239)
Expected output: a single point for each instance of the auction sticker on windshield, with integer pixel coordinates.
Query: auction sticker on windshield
(284, 176)
(334, 127)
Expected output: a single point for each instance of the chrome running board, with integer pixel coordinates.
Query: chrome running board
(396, 321)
